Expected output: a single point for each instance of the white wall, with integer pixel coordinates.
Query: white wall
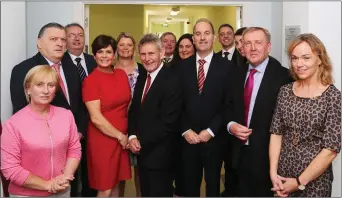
(13, 48)
(324, 20)
(40, 13)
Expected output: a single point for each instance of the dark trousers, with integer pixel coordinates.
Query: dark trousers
(195, 158)
(230, 175)
(155, 182)
(81, 175)
(253, 181)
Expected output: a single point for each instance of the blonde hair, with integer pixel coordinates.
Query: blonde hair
(37, 74)
(317, 47)
(253, 29)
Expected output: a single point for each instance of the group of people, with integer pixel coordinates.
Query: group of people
(184, 111)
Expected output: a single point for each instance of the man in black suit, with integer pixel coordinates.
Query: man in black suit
(153, 116)
(250, 109)
(51, 44)
(203, 81)
(226, 38)
(168, 40)
(85, 64)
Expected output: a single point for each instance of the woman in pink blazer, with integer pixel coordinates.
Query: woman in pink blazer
(40, 148)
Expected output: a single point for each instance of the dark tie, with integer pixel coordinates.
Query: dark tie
(80, 69)
(166, 60)
(147, 87)
(247, 93)
(201, 77)
(226, 55)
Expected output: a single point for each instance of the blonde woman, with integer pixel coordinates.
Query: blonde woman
(306, 126)
(40, 148)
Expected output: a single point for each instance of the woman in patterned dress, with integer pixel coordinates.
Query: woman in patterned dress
(125, 61)
(306, 126)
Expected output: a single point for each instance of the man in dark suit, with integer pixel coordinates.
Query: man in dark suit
(252, 101)
(226, 38)
(51, 44)
(85, 64)
(168, 40)
(153, 116)
(203, 86)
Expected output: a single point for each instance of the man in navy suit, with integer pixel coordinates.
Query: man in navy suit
(85, 64)
(252, 99)
(204, 82)
(153, 119)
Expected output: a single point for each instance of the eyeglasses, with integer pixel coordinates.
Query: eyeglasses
(73, 36)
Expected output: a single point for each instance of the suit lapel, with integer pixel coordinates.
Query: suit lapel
(211, 73)
(139, 87)
(70, 81)
(263, 91)
(156, 82)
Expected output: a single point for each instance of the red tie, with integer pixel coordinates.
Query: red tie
(247, 94)
(201, 77)
(147, 87)
(61, 83)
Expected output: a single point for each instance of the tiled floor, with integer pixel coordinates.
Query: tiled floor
(130, 187)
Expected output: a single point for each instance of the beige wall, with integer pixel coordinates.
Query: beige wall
(113, 19)
(176, 28)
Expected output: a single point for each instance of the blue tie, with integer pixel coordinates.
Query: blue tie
(81, 71)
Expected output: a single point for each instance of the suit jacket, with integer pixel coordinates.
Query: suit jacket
(74, 88)
(83, 113)
(202, 111)
(235, 58)
(274, 77)
(154, 121)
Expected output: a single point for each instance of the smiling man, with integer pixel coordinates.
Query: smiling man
(153, 119)
(51, 43)
(204, 85)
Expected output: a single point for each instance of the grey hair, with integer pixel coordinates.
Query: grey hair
(150, 38)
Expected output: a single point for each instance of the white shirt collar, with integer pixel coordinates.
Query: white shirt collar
(260, 68)
(230, 50)
(50, 62)
(73, 57)
(207, 58)
(155, 72)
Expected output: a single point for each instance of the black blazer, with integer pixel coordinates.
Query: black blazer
(274, 77)
(89, 60)
(74, 88)
(235, 56)
(154, 122)
(202, 111)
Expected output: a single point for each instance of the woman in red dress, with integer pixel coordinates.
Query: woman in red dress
(106, 93)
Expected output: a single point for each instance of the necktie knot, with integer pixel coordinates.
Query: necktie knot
(166, 59)
(201, 62)
(57, 67)
(78, 60)
(252, 72)
(226, 54)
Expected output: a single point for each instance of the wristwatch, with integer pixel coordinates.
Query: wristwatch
(300, 186)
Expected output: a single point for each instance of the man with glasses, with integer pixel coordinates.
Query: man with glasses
(85, 64)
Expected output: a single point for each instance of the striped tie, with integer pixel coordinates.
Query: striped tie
(201, 77)
(81, 71)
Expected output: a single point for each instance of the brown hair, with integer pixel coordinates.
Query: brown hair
(38, 73)
(206, 21)
(125, 35)
(253, 29)
(317, 47)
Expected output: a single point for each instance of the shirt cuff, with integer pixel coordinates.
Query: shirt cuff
(210, 132)
(131, 137)
(185, 132)
(228, 126)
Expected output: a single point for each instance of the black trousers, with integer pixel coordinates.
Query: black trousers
(86, 191)
(231, 176)
(195, 159)
(155, 182)
(253, 181)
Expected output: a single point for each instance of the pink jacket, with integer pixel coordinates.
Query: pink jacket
(29, 144)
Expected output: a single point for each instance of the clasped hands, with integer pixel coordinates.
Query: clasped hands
(193, 138)
(283, 186)
(59, 183)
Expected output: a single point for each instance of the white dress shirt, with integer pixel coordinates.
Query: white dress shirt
(231, 52)
(84, 64)
(205, 68)
(256, 85)
(153, 76)
(63, 78)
